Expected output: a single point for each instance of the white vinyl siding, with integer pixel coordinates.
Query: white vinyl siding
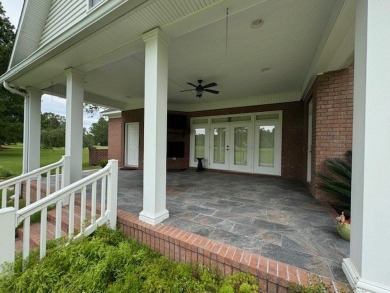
(63, 14)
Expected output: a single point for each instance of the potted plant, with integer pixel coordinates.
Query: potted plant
(337, 182)
(344, 226)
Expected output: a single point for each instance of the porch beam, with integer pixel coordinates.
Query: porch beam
(32, 130)
(74, 122)
(155, 138)
(368, 268)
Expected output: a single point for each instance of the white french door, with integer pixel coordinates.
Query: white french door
(268, 147)
(250, 142)
(231, 147)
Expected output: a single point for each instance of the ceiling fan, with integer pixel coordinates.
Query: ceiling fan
(200, 89)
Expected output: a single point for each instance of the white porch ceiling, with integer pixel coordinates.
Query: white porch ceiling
(287, 43)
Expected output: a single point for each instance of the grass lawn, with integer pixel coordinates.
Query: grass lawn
(11, 157)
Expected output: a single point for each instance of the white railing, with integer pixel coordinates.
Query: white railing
(25, 181)
(103, 183)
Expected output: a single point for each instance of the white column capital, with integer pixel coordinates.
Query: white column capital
(74, 73)
(154, 34)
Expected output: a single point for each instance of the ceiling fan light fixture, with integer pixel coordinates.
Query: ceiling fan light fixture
(257, 23)
(265, 69)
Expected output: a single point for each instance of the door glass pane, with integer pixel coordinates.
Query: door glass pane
(240, 145)
(200, 135)
(266, 145)
(219, 145)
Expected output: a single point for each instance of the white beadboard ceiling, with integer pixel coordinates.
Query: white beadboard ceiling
(113, 57)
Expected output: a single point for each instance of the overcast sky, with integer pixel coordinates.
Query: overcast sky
(52, 104)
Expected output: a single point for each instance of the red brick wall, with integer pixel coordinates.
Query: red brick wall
(116, 140)
(97, 155)
(332, 95)
(293, 139)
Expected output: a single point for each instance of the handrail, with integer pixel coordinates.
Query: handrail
(89, 219)
(60, 194)
(32, 174)
(22, 184)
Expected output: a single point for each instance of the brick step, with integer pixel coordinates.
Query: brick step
(51, 220)
(51, 215)
(35, 232)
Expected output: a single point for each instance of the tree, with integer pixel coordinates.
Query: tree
(100, 131)
(53, 130)
(11, 105)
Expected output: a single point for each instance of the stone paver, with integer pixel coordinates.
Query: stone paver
(276, 218)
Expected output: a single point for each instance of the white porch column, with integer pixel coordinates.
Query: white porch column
(74, 122)
(32, 131)
(368, 268)
(155, 129)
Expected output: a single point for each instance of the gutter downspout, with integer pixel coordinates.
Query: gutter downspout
(26, 126)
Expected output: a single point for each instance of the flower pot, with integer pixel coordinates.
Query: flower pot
(344, 230)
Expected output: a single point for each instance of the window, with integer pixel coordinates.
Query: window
(93, 3)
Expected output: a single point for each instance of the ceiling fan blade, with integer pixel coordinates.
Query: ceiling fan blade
(209, 85)
(188, 90)
(211, 91)
(191, 84)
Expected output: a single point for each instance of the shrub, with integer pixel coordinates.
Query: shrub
(103, 163)
(5, 172)
(337, 178)
(108, 262)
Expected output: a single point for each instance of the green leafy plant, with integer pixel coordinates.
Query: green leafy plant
(337, 178)
(5, 172)
(109, 262)
(103, 163)
(316, 286)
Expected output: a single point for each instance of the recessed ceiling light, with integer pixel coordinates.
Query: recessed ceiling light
(265, 69)
(257, 23)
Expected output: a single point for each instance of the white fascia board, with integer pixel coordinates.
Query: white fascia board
(112, 114)
(94, 21)
(340, 22)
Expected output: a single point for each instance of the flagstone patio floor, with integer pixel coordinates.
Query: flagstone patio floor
(272, 217)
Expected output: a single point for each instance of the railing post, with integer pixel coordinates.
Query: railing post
(112, 193)
(65, 178)
(7, 232)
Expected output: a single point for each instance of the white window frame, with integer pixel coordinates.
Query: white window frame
(206, 161)
(92, 7)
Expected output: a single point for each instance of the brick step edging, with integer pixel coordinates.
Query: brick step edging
(183, 246)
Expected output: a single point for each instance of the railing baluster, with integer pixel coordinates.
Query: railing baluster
(26, 238)
(57, 184)
(17, 195)
(4, 198)
(48, 183)
(58, 218)
(42, 251)
(26, 224)
(103, 197)
(71, 216)
(39, 179)
(83, 208)
(93, 207)
(28, 192)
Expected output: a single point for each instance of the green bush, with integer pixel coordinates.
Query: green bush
(5, 172)
(103, 163)
(108, 262)
(316, 286)
(337, 178)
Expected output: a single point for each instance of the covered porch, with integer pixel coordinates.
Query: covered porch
(272, 217)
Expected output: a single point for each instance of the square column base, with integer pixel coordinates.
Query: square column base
(153, 219)
(358, 284)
